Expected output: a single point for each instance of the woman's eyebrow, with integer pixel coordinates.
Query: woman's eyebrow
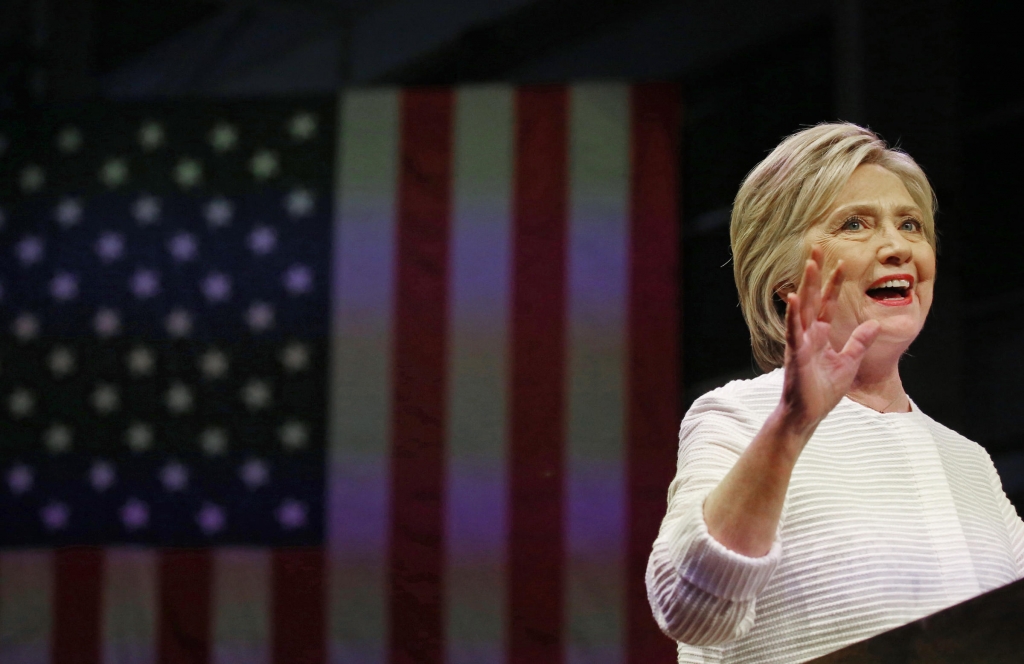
(872, 209)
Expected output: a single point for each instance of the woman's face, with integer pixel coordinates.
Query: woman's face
(875, 228)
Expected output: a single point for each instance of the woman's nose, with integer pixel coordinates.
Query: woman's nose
(894, 247)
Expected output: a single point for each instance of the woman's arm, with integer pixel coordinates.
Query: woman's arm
(743, 511)
(717, 549)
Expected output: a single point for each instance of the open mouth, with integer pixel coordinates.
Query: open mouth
(895, 289)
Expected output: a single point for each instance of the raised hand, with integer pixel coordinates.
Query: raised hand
(817, 375)
(743, 511)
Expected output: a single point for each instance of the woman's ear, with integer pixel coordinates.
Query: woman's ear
(784, 289)
(779, 297)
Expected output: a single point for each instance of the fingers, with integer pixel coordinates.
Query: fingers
(830, 296)
(809, 293)
(794, 330)
(861, 340)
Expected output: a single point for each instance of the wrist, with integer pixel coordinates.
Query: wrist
(790, 430)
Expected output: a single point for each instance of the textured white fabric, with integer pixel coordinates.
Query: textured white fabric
(888, 518)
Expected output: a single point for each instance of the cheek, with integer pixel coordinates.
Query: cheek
(925, 292)
(855, 256)
(926, 264)
(851, 300)
(830, 253)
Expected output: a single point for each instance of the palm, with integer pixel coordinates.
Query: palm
(817, 375)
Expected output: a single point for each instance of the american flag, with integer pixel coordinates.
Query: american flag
(390, 377)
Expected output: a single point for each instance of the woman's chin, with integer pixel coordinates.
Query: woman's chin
(898, 329)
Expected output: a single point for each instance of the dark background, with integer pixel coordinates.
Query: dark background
(941, 79)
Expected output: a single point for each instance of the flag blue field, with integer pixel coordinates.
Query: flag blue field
(386, 377)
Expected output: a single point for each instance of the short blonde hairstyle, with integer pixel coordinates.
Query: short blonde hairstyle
(786, 194)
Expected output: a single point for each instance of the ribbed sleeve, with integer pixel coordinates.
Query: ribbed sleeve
(888, 518)
(701, 592)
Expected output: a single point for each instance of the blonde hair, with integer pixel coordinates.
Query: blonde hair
(786, 194)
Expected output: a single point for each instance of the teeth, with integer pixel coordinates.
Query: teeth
(894, 283)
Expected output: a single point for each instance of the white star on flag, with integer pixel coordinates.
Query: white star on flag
(183, 247)
(146, 209)
(25, 327)
(102, 475)
(69, 139)
(32, 179)
(29, 250)
(179, 323)
(135, 514)
(58, 438)
(110, 246)
(218, 212)
(106, 398)
(188, 173)
(299, 203)
(20, 479)
(260, 316)
(217, 287)
(55, 516)
(21, 403)
(213, 364)
(256, 394)
(159, 304)
(264, 164)
(114, 172)
(295, 357)
(298, 279)
(210, 518)
(223, 137)
(64, 286)
(214, 441)
(61, 361)
(254, 473)
(174, 476)
(179, 398)
(139, 437)
(145, 283)
(291, 514)
(293, 435)
(107, 323)
(68, 212)
(141, 361)
(302, 126)
(262, 240)
(151, 135)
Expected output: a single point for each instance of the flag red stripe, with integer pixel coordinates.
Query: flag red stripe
(298, 606)
(418, 416)
(536, 538)
(653, 379)
(183, 622)
(77, 605)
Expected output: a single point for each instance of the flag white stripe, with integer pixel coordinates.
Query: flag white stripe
(129, 606)
(476, 490)
(26, 591)
(597, 270)
(361, 331)
(241, 606)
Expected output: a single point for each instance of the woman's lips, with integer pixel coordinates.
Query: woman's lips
(909, 278)
(895, 302)
(899, 285)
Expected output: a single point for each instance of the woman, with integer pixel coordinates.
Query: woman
(815, 505)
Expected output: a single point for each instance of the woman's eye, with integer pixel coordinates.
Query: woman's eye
(853, 224)
(911, 225)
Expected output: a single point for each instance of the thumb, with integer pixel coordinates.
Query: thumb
(861, 340)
